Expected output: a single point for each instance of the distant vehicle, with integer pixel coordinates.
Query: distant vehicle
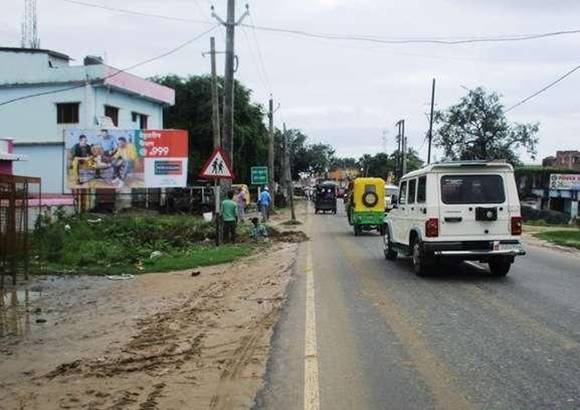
(465, 210)
(391, 195)
(325, 197)
(365, 207)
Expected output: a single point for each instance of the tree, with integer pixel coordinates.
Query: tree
(381, 164)
(313, 159)
(476, 128)
(192, 112)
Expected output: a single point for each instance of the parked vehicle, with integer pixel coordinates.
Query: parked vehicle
(391, 195)
(365, 207)
(466, 210)
(325, 197)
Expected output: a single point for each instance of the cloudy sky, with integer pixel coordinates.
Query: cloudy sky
(346, 93)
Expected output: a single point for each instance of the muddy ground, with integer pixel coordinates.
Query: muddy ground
(181, 340)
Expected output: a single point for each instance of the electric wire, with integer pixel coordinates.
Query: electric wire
(449, 40)
(546, 88)
(133, 12)
(260, 56)
(117, 72)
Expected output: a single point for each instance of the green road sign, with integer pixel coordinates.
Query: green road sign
(259, 175)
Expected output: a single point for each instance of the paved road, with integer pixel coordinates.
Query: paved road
(386, 339)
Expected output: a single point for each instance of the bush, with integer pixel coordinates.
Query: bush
(548, 217)
(90, 243)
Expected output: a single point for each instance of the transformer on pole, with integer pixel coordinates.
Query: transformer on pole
(30, 26)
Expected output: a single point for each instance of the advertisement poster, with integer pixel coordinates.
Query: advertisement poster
(126, 158)
(565, 181)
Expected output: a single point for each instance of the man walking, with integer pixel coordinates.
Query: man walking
(265, 201)
(229, 211)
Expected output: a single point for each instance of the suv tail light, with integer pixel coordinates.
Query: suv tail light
(516, 225)
(432, 228)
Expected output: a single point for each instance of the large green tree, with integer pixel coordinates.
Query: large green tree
(476, 128)
(305, 157)
(192, 111)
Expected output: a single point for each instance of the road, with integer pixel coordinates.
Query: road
(360, 332)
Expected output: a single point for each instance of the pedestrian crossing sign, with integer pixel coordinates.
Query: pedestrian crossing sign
(217, 166)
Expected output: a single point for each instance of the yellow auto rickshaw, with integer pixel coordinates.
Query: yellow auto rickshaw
(366, 204)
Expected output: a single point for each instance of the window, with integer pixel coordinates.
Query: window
(141, 119)
(67, 113)
(403, 193)
(422, 190)
(412, 189)
(472, 189)
(113, 114)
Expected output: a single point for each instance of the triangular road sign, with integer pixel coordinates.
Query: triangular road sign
(217, 166)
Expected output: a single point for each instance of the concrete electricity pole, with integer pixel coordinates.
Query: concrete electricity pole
(288, 174)
(404, 143)
(271, 146)
(228, 122)
(217, 138)
(431, 122)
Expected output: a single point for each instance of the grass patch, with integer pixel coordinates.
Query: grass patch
(570, 238)
(116, 244)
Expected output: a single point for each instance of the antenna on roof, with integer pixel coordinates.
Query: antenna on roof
(29, 26)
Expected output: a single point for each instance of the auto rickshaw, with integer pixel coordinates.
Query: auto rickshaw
(325, 199)
(366, 205)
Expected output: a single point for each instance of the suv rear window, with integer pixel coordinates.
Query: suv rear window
(472, 189)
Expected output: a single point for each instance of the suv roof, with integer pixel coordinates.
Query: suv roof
(496, 164)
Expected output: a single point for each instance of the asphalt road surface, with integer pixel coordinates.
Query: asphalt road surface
(360, 332)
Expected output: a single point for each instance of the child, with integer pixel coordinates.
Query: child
(258, 230)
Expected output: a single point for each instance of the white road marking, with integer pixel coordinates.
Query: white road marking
(311, 389)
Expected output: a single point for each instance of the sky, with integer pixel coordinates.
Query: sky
(348, 94)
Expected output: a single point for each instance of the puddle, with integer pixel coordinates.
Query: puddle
(16, 311)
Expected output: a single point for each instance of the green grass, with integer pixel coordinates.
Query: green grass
(91, 244)
(570, 238)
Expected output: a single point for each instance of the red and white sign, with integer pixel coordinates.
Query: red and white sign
(217, 166)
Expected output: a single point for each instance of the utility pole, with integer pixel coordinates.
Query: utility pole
(214, 97)
(404, 143)
(271, 145)
(228, 122)
(399, 170)
(216, 137)
(431, 122)
(288, 174)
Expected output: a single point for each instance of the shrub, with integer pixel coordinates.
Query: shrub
(547, 216)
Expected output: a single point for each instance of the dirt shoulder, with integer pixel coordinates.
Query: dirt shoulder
(158, 341)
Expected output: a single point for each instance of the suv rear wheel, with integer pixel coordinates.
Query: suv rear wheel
(500, 266)
(418, 256)
(390, 254)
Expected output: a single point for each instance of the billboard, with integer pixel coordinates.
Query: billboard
(125, 158)
(565, 181)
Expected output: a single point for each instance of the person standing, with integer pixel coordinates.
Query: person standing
(265, 202)
(241, 200)
(229, 212)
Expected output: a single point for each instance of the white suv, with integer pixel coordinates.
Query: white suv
(465, 210)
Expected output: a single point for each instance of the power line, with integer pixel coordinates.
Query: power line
(374, 39)
(552, 84)
(450, 40)
(136, 13)
(255, 61)
(117, 72)
(260, 57)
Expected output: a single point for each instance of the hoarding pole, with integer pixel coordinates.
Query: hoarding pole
(214, 98)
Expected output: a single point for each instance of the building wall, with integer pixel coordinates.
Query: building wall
(32, 122)
(44, 161)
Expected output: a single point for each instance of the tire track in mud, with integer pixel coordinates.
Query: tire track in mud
(157, 343)
(239, 359)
